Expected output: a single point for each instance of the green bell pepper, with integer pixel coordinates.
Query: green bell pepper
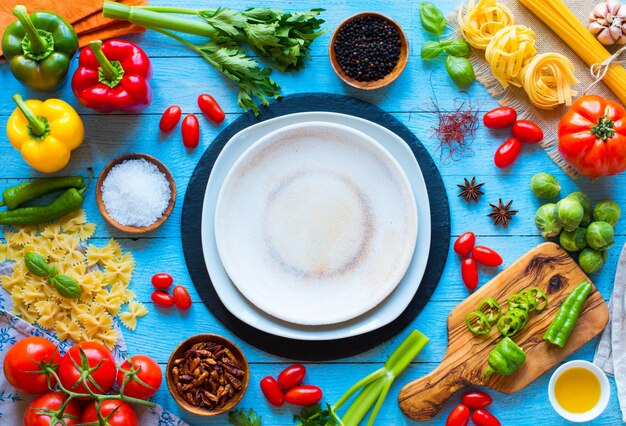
(39, 48)
(505, 358)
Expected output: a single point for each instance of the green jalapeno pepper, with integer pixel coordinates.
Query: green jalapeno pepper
(478, 323)
(562, 325)
(518, 300)
(505, 358)
(537, 298)
(17, 195)
(491, 309)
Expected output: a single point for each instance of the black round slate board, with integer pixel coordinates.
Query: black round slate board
(327, 349)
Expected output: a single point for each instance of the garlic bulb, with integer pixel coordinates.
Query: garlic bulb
(608, 22)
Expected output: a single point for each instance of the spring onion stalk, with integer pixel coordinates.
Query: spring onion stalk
(375, 386)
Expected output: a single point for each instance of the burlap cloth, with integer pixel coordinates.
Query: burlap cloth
(515, 97)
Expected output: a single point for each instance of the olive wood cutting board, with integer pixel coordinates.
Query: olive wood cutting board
(551, 269)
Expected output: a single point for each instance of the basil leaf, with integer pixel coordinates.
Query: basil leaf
(432, 19)
(461, 71)
(66, 286)
(37, 264)
(430, 50)
(456, 47)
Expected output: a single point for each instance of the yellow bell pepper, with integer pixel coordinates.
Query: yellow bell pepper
(45, 132)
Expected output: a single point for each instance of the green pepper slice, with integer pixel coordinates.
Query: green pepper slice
(478, 323)
(532, 301)
(541, 299)
(509, 324)
(518, 301)
(491, 309)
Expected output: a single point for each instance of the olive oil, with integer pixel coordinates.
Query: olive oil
(577, 390)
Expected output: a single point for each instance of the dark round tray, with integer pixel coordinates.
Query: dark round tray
(326, 349)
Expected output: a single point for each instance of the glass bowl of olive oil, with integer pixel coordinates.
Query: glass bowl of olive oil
(579, 391)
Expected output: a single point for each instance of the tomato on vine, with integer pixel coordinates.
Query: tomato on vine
(42, 411)
(116, 413)
(92, 357)
(25, 358)
(145, 377)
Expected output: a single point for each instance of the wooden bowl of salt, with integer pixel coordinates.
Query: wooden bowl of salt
(135, 193)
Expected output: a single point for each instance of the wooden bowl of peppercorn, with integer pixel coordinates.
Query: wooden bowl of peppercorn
(215, 365)
(368, 50)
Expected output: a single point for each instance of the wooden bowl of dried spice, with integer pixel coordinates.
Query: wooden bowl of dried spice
(207, 375)
(368, 50)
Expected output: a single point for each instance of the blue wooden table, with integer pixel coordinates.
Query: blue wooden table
(180, 76)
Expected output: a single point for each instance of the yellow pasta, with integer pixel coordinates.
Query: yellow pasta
(135, 310)
(509, 51)
(548, 80)
(483, 20)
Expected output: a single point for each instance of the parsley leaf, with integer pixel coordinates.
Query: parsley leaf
(241, 418)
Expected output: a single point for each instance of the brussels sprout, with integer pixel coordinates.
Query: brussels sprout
(607, 211)
(574, 240)
(546, 222)
(544, 185)
(569, 213)
(591, 260)
(600, 235)
(584, 201)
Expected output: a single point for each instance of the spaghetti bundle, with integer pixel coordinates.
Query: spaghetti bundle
(483, 20)
(548, 80)
(509, 51)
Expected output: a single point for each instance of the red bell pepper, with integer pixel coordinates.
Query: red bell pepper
(113, 75)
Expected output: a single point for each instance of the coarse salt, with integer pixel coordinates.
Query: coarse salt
(135, 193)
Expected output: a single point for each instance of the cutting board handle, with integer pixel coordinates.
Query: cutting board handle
(423, 398)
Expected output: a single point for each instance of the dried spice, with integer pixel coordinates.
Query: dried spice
(470, 190)
(502, 213)
(208, 375)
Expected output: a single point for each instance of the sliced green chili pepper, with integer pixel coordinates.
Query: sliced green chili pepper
(17, 195)
(519, 313)
(491, 309)
(540, 298)
(478, 323)
(562, 325)
(509, 324)
(505, 358)
(518, 301)
(532, 302)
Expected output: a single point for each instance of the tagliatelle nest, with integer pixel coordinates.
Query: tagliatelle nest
(509, 51)
(482, 20)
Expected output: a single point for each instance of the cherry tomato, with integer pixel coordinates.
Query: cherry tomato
(96, 354)
(162, 280)
(303, 395)
(162, 299)
(181, 298)
(51, 401)
(149, 373)
(191, 131)
(22, 359)
(500, 118)
(170, 118)
(484, 418)
(486, 256)
(211, 108)
(476, 399)
(507, 153)
(527, 131)
(460, 416)
(272, 392)
(291, 376)
(469, 273)
(123, 413)
(464, 244)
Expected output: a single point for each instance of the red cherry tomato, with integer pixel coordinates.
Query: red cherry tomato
(272, 392)
(304, 395)
(500, 118)
(211, 108)
(162, 299)
(291, 376)
(527, 131)
(484, 418)
(464, 244)
(148, 372)
(476, 399)
(21, 363)
(460, 416)
(469, 273)
(96, 354)
(191, 131)
(181, 298)
(486, 256)
(507, 153)
(123, 413)
(170, 118)
(51, 401)
(162, 280)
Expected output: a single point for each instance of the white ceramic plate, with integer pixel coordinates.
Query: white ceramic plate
(316, 223)
(385, 312)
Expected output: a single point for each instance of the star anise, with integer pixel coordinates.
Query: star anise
(471, 190)
(502, 213)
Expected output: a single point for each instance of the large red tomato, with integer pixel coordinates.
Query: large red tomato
(104, 375)
(149, 373)
(592, 136)
(124, 414)
(23, 359)
(51, 401)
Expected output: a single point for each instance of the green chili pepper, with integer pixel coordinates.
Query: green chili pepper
(39, 48)
(505, 358)
(71, 200)
(39, 266)
(17, 195)
(537, 299)
(562, 325)
(509, 324)
(518, 300)
(491, 309)
(478, 323)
